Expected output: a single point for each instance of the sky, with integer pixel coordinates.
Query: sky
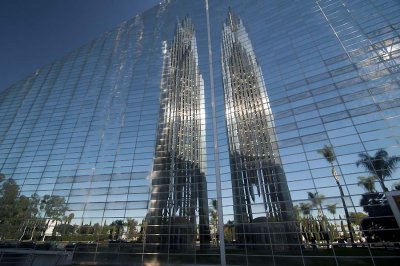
(34, 33)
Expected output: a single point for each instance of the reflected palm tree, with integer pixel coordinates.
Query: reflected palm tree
(368, 183)
(305, 222)
(332, 210)
(305, 208)
(381, 165)
(316, 201)
(329, 154)
(333, 230)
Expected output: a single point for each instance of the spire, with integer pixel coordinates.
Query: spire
(232, 20)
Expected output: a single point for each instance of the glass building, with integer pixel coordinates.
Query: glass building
(257, 176)
(179, 186)
(213, 132)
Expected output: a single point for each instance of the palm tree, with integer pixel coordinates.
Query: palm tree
(329, 154)
(332, 228)
(316, 201)
(305, 223)
(381, 165)
(305, 208)
(320, 224)
(368, 183)
(332, 210)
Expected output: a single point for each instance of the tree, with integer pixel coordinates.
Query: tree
(30, 212)
(316, 201)
(132, 230)
(375, 204)
(86, 229)
(117, 228)
(36, 219)
(305, 208)
(54, 209)
(381, 165)
(96, 231)
(356, 217)
(296, 212)
(332, 210)
(17, 212)
(305, 222)
(214, 219)
(332, 228)
(320, 228)
(380, 225)
(368, 183)
(229, 229)
(69, 218)
(9, 214)
(106, 231)
(65, 229)
(20, 215)
(343, 227)
(329, 154)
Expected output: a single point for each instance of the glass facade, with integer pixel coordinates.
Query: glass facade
(214, 132)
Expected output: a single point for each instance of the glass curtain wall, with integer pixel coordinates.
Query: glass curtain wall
(291, 108)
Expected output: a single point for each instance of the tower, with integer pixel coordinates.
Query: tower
(256, 172)
(179, 191)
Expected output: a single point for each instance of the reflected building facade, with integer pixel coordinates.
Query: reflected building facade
(196, 140)
(178, 202)
(257, 173)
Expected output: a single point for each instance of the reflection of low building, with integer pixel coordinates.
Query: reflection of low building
(178, 203)
(256, 172)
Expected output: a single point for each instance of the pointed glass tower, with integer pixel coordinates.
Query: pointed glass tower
(179, 191)
(257, 175)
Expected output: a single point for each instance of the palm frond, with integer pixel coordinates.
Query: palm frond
(368, 183)
(328, 153)
(380, 165)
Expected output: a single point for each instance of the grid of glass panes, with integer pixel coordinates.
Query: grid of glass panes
(85, 129)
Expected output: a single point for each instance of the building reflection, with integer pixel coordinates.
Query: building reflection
(178, 211)
(256, 172)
